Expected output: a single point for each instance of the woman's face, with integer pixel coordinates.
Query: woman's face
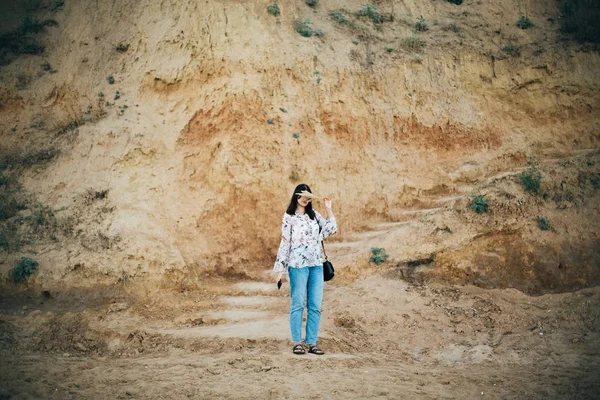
(303, 201)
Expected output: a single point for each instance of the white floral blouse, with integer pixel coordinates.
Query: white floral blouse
(301, 241)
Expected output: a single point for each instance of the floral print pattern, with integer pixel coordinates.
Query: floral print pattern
(301, 241)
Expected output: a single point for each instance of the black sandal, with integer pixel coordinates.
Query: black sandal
(298, 349)
(316, 350)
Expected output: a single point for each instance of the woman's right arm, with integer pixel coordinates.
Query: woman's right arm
(283, 255)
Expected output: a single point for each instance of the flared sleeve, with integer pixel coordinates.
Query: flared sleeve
(283, 255)
(328, 226)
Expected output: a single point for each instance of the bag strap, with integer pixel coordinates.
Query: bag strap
(322, 241)
(290, 250)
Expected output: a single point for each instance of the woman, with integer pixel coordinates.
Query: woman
(302, 231)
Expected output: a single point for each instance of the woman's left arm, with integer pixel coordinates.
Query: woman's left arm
(327, 201)
(329, 225)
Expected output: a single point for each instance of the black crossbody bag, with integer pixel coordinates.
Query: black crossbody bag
(328, 271)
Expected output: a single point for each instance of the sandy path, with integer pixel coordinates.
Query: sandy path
(249, 374)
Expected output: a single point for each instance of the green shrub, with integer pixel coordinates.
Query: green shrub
(28, 26)
(452, 27)
(22, 82)
(296, 135)
(369, 10)
(31, 26)
(303, 27)
(11, 202)
(544, 224)
(478, 204)
(337, 16)
(566, 196)
(389, 49)
(593, 178)
(311, 3)
(319, 33)
(110, 80)
(273, 9)
(39, 222)
(524, 23)
(23, 269)
(48, 68)
(21, 40)
(92, 195)
(11, 197)
(10, 236)
(580, 19)
(42, 216)
(49, 22)
(457, 2)
(532, 177)
(32, 48)
(414, 42)
(511, 49)
(421, 25)
(71, 125)
(379, 255)
(10, 205)
(23, 159)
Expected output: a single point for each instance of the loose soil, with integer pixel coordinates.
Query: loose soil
(384, 338)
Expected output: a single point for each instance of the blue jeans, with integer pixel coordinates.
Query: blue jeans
(306, 284)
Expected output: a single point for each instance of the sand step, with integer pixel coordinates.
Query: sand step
(389, 225)
(418, 211)
(448, 199)
(271, 327)
(250, 301)
(236, 314)
(256, 287)
(342, 245)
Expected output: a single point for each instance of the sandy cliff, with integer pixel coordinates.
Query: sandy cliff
(223, 108)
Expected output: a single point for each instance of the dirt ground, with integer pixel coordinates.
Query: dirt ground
(384, 338)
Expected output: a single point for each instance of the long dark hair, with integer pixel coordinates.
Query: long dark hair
(291, 210)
